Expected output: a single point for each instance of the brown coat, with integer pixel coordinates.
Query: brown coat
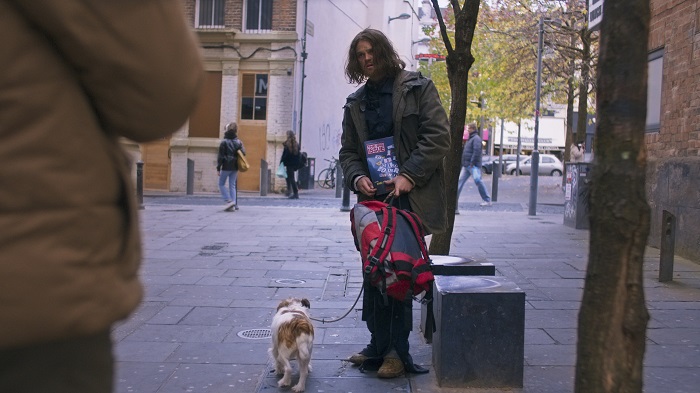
(422, 138)
(76, 76)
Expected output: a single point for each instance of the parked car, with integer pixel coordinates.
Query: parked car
(549, 165)
(487, 162)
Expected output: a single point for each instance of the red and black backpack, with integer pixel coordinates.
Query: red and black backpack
(391, 242)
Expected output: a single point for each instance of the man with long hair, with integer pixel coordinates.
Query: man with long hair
(405, 106)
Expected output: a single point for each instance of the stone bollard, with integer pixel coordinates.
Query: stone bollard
(479, 341)
(265, 178)
(190, 176)
(667, 247)
(448, 265)
(139, 184)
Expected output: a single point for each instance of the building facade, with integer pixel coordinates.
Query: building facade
(255, 52)
(250, 51)
(673, 122)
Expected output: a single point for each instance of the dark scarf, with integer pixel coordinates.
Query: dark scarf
(378, 108)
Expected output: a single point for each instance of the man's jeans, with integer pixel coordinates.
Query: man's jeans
(476, 173)
(230, 193)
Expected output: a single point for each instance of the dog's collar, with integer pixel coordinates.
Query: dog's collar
(294, 312)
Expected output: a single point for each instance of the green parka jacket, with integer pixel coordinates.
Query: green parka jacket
(422, 139)
(76, 77)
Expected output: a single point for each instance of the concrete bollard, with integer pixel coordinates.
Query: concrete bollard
(190, 176)
(479, 339)
(264, 178)
(496, 171)
(668, 245)
(139, 184)
(338, 181)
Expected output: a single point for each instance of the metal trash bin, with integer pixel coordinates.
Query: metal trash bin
(307, 174)
(576, 195)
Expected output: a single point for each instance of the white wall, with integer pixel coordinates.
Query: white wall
(336, 22)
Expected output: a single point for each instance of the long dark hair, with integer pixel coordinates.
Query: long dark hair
(386, 59)
(291, 142)
(231, 131)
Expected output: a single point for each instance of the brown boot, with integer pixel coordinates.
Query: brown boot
(392, 366)
(357, 359)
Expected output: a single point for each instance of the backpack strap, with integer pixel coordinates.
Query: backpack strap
(381, 249)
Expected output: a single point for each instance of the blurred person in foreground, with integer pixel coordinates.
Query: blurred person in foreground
(76, 77)
(406, 106)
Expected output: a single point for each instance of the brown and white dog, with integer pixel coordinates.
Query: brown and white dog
(292, 336)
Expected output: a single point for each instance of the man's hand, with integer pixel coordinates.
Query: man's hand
(401, 185)
(365, 186)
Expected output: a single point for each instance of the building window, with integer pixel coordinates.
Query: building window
(210, 13)
(258, 15)
(254, 97)
(654, 88)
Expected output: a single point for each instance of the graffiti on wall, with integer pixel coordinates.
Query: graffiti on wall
(328, 138)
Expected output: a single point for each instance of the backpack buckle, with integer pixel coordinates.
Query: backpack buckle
(373, 261)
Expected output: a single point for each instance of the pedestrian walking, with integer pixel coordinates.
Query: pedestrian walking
(471, 165)
(577, 152)
(291, 158)
(227, 165)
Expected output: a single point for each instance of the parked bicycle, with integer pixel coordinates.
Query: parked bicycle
(326, 178)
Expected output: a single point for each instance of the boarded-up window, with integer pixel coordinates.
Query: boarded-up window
(205, 119)
(254, 97)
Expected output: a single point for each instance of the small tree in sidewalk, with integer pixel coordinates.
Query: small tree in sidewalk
(613, 316)
(459, 60)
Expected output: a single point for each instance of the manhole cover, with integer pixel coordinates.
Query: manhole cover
(255, 334)
(289, 281)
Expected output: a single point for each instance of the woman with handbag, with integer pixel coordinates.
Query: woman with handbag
(227, 165)
(291, 158)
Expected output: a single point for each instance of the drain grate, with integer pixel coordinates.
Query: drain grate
(289, 281)
(255, 334)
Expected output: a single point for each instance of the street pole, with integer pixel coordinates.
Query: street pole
(535, 160)
(304, 55)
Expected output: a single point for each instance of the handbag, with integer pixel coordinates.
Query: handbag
(242, 162)
(282, 171)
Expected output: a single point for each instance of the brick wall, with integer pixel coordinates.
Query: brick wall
(675, 27)
(284, 15)
(673, 173)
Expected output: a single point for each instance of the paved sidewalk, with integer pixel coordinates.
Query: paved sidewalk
(213, 280)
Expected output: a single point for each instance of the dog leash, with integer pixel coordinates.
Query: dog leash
(324, 320)
(389, 198)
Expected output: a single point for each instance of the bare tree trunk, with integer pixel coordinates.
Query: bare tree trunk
(583, 86)
(613, 317)
(459, 61)
(570, 95)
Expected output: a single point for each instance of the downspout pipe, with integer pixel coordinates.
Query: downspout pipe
(303, 72)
